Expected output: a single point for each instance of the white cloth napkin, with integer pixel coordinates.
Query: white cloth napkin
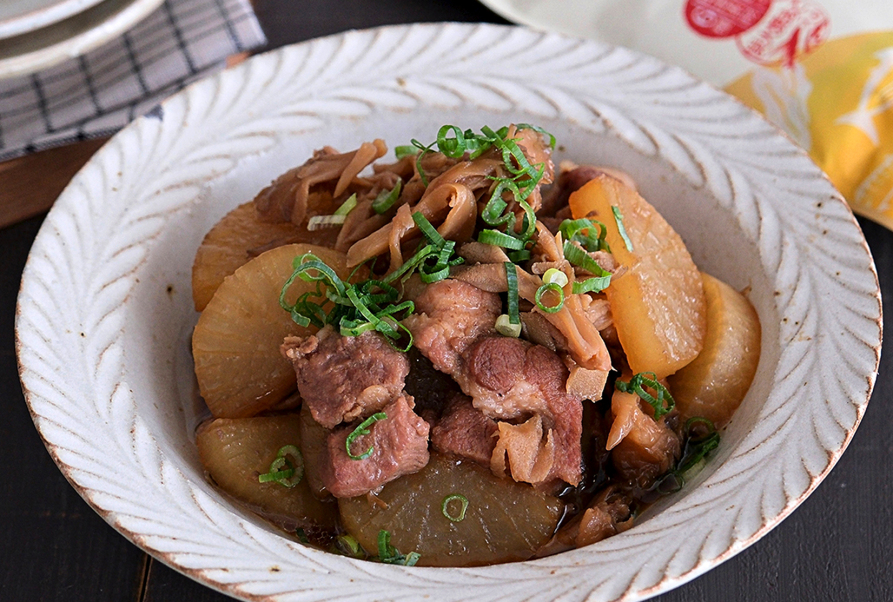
(101, 91)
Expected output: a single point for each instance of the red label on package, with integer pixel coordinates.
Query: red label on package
(791, 29)
(724, 18)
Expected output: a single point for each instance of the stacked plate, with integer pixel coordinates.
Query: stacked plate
(36, 34)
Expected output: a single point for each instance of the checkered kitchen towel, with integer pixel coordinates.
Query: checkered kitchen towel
(101, 91)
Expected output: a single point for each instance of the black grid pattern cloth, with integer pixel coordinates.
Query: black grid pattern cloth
(101, 91)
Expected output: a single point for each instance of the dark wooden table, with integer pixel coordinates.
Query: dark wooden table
(838, 546)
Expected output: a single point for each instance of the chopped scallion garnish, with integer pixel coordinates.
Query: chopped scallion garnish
(695, 449)
(318, 222)
(505, 327)
(662, 404)
(388, 554)
(538, 129)
(424, 150)
(589, 233)
(354, 309)
(580, 258)
(287, 469)
(347, 206)
(361, 430)
(405, 151)
(592, 285)
(511, 278)
(456, 517)
(519, 256)
(455, 143)
(428, 230)
(555, 276)
(555, 290)
(349, 546)
(696, 446)
(618, 217)
(501, 239)
(386, 198)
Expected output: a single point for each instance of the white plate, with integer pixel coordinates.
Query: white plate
(21, 16)
(105, 310)
(71, 37)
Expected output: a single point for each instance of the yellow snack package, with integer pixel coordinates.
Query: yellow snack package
(822, 70)
(844, 91)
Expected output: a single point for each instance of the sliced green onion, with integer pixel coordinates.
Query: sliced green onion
(592, 285)
(360, 307)
(434, 276)
(418, 161)
(353, 328)
(505, 327)
(476, 145)
(386, 198)
(527, 126)
(580, 258)
(428, 230)
(388, 554)
(555, 276)
(404, 151)
(439, 268)
(444, 507)
(494, 211)
(618, 217)
(349, 546)
(283, 470)
(302, 536)
(318, 222)
(511, 279)
(501, 239)
(462, 143)
(454, 148)
(519, 256)
(696, 448)
(439, 249)
(361, 430)
(510, 150)
(276, 475)
(310, 268)
(456, 143)
(385, 549)
(589, 233)
(542, 291)
(347, 206)
(662, 404)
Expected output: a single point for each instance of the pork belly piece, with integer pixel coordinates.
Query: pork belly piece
(641, 448)
(511, 379)
(343, 378)
(507, 378)
(399, 446)
(608, 514)
(465, 432)
(450, 316)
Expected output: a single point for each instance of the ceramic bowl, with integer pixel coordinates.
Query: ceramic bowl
(93, 23)
(105, 311)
